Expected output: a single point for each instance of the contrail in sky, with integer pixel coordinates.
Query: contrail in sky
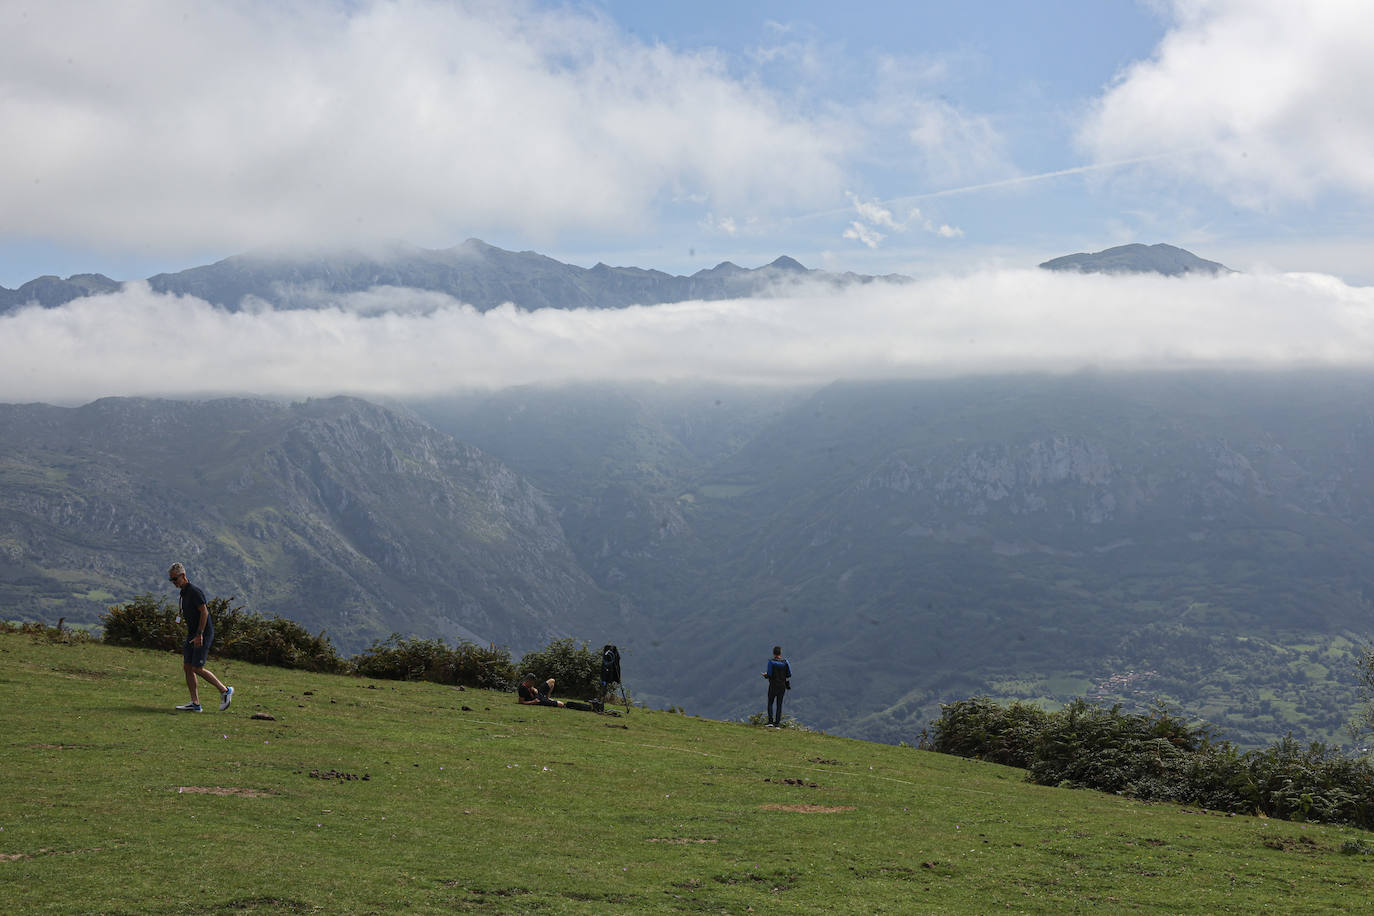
(1025, 179)
(1002, 183)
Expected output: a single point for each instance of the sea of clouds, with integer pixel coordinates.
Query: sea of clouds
(390, 342)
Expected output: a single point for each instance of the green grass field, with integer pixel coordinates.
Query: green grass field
(380, 797)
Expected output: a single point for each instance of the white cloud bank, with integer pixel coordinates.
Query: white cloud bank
(163, 124)
(137, 342)
(1266, 101)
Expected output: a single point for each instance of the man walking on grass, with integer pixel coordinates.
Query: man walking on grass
(200, 633)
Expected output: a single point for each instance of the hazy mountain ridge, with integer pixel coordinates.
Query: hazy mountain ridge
(473, 272)
(1199, 537)
(337, 513)
(485, 277)
(1137, 258)
(50, 291)
(910, 543)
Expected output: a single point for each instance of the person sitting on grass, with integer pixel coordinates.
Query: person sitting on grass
(529, 695)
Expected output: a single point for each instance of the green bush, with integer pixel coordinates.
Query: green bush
(251, 637)
(145, 622)
(984, 730)
(1215, 777)
(577, 670)
(1159, 756)
(489, 667)
(1315, 783)
(466, 664)
(244, 636)
(1087, 746)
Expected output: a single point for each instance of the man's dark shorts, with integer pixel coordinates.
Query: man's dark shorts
(196, 656)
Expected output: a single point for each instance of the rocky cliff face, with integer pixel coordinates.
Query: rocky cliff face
(338, 513)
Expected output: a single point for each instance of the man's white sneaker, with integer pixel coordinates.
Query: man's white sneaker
(226, 698)
(189, 707)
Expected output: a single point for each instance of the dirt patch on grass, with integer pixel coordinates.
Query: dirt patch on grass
(12, 856)
(338, 774)
(71, 672)
(809, 809)
(1292, 844)
(223, 790)
(679, 840)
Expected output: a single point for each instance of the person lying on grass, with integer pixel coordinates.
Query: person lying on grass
(529, 695)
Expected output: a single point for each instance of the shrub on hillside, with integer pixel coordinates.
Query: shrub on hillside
(245, 636)
(1315, 783)
(1087, 746)
(250, 637)
(465, 664)
(1159, 756)
(984, 730)
(144, 622)
(1215, 777)
(577, 670)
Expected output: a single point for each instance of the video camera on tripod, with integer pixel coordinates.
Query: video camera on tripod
(610, 679)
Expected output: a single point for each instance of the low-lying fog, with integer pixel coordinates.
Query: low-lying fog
(392, 342)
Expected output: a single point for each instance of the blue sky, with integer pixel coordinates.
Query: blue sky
(960, 144)
(916, 137)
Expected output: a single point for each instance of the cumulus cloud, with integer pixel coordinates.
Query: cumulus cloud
(865, 234)
(169, 125)
(1264, 100)
(395, 343)
(874, 213)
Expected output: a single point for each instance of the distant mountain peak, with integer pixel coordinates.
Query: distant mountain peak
(786, 263)
(1169, 260)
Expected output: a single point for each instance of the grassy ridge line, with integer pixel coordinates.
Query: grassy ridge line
(114, 804)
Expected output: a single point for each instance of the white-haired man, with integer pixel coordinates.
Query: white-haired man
(200, 633)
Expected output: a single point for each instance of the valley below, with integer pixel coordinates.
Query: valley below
(1194, 539)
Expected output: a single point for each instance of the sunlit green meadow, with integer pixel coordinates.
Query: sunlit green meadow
(377, 797)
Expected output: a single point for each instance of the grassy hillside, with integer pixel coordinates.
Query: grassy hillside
(368, 796)
(1198, 538)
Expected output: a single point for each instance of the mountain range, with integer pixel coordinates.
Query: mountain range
(1197, 538)
(485, 277)
(474, 272)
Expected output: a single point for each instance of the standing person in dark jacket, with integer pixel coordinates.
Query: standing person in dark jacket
(778, 674)
(200, 633)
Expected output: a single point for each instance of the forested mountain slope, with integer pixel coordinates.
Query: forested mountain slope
(1200, 538)
(338, 513)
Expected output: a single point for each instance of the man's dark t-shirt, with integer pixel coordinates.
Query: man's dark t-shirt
(191, 600)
